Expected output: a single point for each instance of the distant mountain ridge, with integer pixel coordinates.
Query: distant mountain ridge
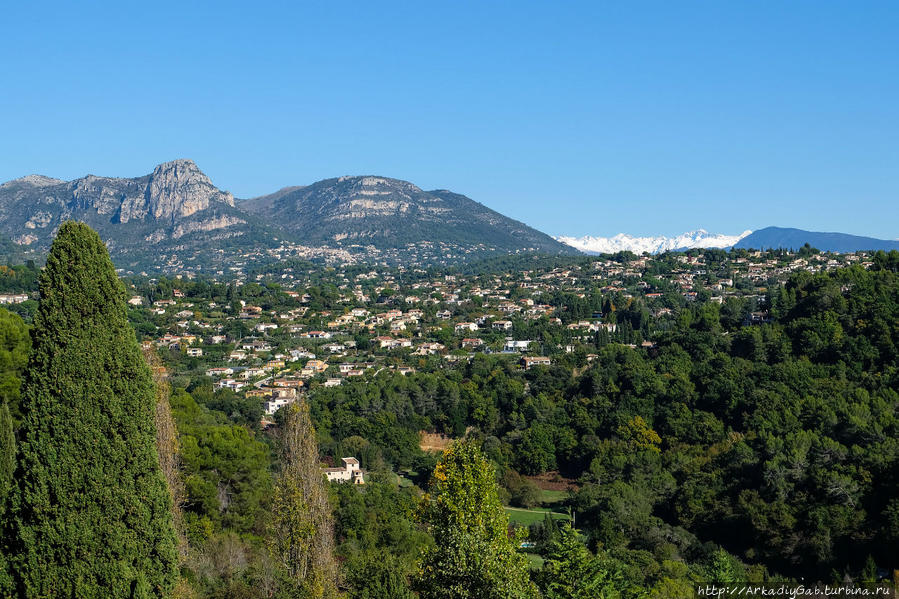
(390, 213)
(176, 213)
(652, 245)
(177, 217)
(786, 238)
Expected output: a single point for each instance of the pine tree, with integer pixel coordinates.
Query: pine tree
(473, 556)
(302, 532)
(92, 512)
(572, 572)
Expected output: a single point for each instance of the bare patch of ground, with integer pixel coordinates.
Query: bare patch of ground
(433, 441)
(553, 481)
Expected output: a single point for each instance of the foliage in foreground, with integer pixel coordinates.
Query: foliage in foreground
(91, 514)
(301, 536)
(473, 556)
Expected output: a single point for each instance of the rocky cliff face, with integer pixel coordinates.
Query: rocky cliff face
(178, 188)
(174, 190)
(176, 200)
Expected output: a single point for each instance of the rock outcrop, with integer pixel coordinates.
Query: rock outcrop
(178, 188)
(177, 200)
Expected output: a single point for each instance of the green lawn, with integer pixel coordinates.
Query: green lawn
(547, 496)
(527, 517)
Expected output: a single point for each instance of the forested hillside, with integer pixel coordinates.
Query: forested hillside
(777, 443)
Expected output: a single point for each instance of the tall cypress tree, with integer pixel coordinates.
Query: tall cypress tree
(7, 469)
(7, 455)
(92, 512)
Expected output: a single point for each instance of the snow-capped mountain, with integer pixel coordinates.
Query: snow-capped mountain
(653, 245)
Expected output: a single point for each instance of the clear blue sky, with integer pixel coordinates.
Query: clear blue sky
(575, 117)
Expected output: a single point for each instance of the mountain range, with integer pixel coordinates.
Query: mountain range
(652, 245)
(762, 239)
(174, 207)
(175, 219)
(176, 214)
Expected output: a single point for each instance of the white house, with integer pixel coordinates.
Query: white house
(276, 403)
(229, 384)
(350, 472)
(512, 345)
(219, 371)
(530, 362)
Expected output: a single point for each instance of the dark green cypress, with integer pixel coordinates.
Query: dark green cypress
(7, 455)
(92, 511)
(7, 468)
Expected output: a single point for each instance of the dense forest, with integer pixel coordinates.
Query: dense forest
(721, 452)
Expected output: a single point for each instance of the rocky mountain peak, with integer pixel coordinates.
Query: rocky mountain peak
(371, 184)
(34, 181)
(179, 188)
(180, 167)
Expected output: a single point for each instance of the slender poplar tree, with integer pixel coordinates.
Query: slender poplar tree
(167, 445)
(92, 513)
(302, 532)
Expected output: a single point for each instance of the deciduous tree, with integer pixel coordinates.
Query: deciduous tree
(302, 532)
(474, 557)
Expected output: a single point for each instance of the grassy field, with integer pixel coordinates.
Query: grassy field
(548, 496)
(527, 517)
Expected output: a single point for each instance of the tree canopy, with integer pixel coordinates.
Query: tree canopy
(473, 556)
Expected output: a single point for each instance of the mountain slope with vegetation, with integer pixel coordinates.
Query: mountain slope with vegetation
(752, 440)
(390, 213)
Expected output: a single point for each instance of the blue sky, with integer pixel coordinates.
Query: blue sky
(575, 117)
